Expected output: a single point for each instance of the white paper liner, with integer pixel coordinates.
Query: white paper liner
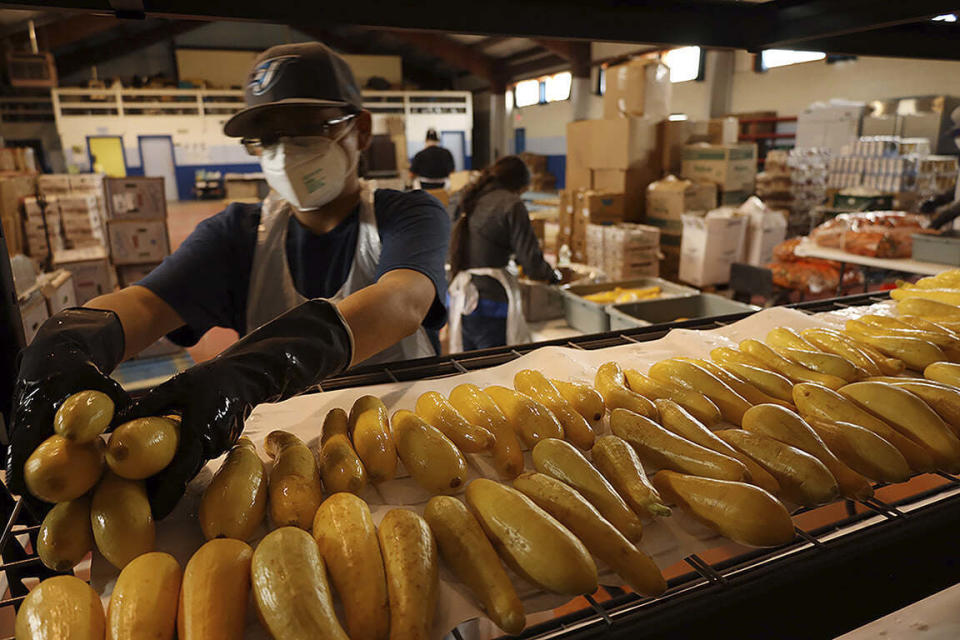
(666, 540)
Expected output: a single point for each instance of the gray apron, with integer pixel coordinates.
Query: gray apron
(272, 291)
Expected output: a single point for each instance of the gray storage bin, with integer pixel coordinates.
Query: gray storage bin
(942, 249)
(629, 315)
(591, 317)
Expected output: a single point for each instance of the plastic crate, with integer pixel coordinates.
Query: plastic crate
(628, 315)
(591, 317)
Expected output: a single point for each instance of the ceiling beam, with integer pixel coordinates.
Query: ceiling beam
(927, 40)
(526, 54)
(452, 52)
(577, 52)
(488, 42)
(534, 67)
(57, 34)
(126, 41)
(818, 19)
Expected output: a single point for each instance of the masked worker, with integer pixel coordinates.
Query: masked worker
(432, 165)
(493, 225)
(322, 275)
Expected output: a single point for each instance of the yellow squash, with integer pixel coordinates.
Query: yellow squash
(786, 426)
(825, 363)
(862, 450)
(530, 540)
(60, 470)
(347, 538)
(480, 409)
(803, 479)
(816, 401)
(693, 401)
(576, 429)
(693, 376)
(144, 601)
(289, 583)
(410, 559)
(235, 501)
(785, 337)
(747, 390)
(828, 342)
(65, 536)
(584, 399)
(465, 549)
(335, 423)
(438, 412)
(121, 518)
(531, 420)
(599, 536)
(429, 457)
(370, 431)
(143, 447)
(788, 368)
(61, 608)
(768, 382)
(83, 416)
(662, 449)
(742, 512)
(295, 489)
(619, 464)
(943, 372)
(914, 352)
(213, 596)
(340, 466)
(929, 309)
(612, 384)
(911, 416)
(943, 399)
(675, 419)
(946, 296)
(562, 461)
(885, 325)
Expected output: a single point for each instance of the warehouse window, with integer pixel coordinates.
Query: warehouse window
(557, 86)
(553, 88)
(947, 17)
(685, 63)
(527, 93)
(771, 58)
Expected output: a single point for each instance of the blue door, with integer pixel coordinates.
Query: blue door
(519, 140)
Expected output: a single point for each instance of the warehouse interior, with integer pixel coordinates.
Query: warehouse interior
(757, 193)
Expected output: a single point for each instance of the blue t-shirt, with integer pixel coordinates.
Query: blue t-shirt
(206, 280)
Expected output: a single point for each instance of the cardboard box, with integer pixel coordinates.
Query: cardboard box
(599, 207)
(129, 274)
(710, 244)
(135, 198)
(82, 203)
(632, 183)
(13, 189)
(459, 179)
(731, 167)
(92, 273)
(31, 206)
(53, 183)
(239, 188)
(565, 215)
(33, 313)
(639, 87)
(670, 198)
(595, 252)
(577, 178)
(58, 290)
(670, 259)
(624, 143)
(137, 241)
(80, 182)
(672, 137)
(631, 251)
(766, 228)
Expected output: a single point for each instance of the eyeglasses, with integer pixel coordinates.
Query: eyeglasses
(255, 146)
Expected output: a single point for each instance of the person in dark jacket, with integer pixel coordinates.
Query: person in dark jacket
(433, 164)
(492, 224)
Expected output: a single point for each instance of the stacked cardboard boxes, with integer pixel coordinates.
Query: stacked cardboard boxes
(710, 244)
(136, 226)
(14, 187)
(732, 167)
(667, 200)
(624, 251)
(540, 178)
(93, 275)
(42, 227)
(82, 218)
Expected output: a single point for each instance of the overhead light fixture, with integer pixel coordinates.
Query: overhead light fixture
(947, 17)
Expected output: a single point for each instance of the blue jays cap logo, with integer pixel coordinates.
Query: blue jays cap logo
(266, 73)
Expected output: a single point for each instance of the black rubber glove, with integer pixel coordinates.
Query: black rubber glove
(284, 357)
(73, 351)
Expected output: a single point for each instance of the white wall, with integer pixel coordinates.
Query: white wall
(789, 90)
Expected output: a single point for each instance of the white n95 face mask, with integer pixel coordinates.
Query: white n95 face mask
(307, 171)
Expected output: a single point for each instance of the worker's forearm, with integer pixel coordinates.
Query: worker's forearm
(144, 316)
(378, 317)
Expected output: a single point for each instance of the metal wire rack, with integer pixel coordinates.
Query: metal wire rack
(913, 538)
